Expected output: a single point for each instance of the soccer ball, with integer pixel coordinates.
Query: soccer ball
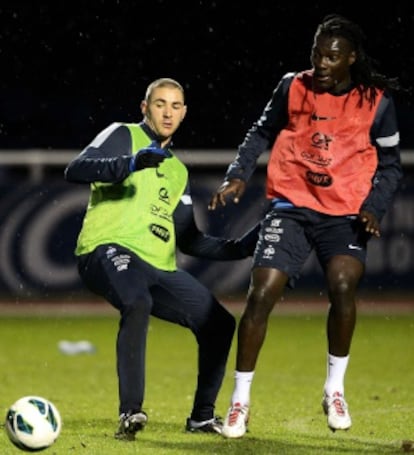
(33, 423)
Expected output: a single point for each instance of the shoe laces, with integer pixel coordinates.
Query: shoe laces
(202, 423)
(133, 417)
(235, 411)
(339, 403)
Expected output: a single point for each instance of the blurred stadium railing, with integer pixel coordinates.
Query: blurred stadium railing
(41, 215)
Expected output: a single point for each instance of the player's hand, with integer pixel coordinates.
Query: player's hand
(234, 187)
(370, 222)
(151, 156)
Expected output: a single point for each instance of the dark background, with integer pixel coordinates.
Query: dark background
(68, 69)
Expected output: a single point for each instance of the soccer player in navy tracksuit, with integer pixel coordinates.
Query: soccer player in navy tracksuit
(140, 210)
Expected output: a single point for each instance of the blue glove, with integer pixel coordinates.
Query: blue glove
(151, 156)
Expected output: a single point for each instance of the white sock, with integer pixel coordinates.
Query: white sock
(242, 383)
(335, 374)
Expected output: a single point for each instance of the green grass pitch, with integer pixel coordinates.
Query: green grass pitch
(286, 412)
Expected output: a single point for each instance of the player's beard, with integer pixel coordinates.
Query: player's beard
(151, 124)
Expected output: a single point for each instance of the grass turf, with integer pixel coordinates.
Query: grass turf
(286, 413)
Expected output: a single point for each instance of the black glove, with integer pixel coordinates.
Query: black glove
(151, 156)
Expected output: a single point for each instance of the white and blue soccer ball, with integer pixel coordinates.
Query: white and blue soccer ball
(33, 423)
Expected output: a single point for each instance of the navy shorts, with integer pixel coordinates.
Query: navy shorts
(288, 236)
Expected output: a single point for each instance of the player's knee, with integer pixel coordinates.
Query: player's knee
(343, 286)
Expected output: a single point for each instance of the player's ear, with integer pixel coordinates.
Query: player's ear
(144, 107)
(352, 58)
(183, 112)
